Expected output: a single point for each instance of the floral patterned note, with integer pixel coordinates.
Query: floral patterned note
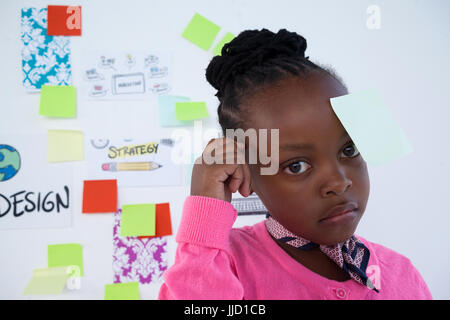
(135, 259)
(45, 59)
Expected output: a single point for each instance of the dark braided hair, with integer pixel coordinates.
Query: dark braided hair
(251, 60)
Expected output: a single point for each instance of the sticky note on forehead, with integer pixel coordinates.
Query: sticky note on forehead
(371, 126)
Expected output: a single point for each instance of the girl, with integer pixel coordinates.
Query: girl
(306, 248)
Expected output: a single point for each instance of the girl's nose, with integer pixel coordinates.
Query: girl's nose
(336, 182)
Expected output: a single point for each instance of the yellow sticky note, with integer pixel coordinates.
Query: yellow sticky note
(58, 101)
(191, 110)
(47, 281)
(218, 48)
(122, 291)
(65, 145)
(138, 220)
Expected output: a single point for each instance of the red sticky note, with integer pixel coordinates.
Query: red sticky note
(99, 196)
(163, 224)
(64, 20)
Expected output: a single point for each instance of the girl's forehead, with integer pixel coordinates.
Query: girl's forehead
(315, 129)
(301, 111)
(296, 107)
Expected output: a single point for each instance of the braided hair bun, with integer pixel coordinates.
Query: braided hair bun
(252, 60)
(252, 49)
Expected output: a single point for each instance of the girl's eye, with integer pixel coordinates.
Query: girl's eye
(351, 151)
(296, 168)
(299, 167)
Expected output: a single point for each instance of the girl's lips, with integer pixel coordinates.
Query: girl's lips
(339, 212)
(340, 217)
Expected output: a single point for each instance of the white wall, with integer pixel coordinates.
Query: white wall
(407, 60)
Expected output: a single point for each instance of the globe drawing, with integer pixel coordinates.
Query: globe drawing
(9, 162)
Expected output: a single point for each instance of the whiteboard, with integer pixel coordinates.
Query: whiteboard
(406, 59)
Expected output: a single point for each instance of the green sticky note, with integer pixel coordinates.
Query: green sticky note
(122, 291)
(167, 113)
(47, 281)
(65, 145)
(201, 32)
(58, 101)
(190, 110)
(371, 126)
(218, 48)
(67, 254)
(138, 220)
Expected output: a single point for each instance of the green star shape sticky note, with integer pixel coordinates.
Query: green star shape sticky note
(138, 220)
(371, 126)
(201, 31)
(67, 254)
(58, 101)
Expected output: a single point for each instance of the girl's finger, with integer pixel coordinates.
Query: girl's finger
(245, 188)
(236, 179)
(217, 147)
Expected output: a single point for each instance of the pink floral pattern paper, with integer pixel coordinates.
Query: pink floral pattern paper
(135, 259)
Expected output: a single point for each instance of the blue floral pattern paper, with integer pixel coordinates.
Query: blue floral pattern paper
(45, 59)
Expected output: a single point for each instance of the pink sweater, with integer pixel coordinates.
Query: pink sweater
(215, 261)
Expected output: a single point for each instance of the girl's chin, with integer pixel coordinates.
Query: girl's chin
(330, 236)
(339, 236)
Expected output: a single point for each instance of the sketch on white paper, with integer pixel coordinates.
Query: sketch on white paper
(125, 75)
(133, 162)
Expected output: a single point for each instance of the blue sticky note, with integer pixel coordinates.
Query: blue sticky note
(167, 111)
(371, 126)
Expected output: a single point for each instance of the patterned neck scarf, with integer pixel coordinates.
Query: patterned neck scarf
(352, 255)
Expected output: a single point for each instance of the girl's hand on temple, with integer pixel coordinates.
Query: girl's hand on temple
(219, 179)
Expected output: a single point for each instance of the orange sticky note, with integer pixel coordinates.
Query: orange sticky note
(99, 196)
(64, 20)
(163, 224)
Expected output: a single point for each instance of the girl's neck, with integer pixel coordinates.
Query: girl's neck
(316, 261)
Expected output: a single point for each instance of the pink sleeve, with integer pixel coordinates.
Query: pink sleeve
(422, 290)
(203, 267)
